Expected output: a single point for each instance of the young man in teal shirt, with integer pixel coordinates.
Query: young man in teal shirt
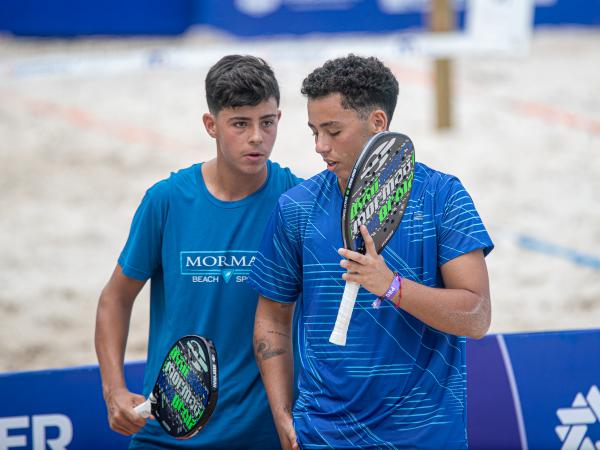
(195, 235)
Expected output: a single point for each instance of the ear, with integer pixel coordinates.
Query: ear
(378, 121)
(210, 123)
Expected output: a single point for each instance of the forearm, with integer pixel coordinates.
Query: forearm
(112, 328)
(274, 356)
(455, 311)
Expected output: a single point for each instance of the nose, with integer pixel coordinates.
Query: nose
(322, 145)
(256, 137)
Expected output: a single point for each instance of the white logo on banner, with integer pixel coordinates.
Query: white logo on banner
(407, 6)
(400, 6)
(61, 425)
(584, 411)
(257, 8)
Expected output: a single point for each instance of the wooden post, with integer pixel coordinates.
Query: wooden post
(442, 20)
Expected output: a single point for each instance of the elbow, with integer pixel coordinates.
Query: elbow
(478, 333)
(482, 319)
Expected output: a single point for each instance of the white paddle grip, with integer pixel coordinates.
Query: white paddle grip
(340, 330)
(144, 409)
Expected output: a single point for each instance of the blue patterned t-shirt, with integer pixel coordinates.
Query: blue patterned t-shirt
(397, 383)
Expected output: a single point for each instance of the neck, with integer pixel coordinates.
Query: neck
(343, 183)
(229, 185)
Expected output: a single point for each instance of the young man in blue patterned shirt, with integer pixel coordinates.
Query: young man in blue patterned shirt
(400, 382)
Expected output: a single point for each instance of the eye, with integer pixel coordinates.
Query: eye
(334, 133)
(240, 124)
(268, 123)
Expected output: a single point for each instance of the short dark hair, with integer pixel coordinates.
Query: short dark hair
(364, 84)
(239, 80)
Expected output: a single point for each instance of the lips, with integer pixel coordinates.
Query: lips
(254, 156)
(331, 165)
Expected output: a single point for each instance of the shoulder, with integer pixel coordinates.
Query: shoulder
(161, 191)
(433, 183)
(310, 189)
(282, 176)
(296, 205)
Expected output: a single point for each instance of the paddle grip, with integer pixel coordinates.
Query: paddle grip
(340, 329)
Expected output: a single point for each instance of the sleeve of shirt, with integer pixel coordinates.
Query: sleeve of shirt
(461, 230)
(277, 269)
(141, 256)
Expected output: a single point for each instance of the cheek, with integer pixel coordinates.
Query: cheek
(349, 151)
(270, 134)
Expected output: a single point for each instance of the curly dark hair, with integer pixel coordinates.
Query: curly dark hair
(240, 80)
(364, 84)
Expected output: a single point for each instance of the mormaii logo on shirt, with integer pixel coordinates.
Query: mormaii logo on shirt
(217, 266)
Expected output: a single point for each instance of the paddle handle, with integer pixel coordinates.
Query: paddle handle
(340, 329)
(145, 409)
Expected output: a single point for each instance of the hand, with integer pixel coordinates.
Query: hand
(369, 270)
(287, 435)
(121, 416)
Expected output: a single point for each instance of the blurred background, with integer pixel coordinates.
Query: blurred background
(99, 100)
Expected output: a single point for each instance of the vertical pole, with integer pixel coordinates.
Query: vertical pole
(442, 20)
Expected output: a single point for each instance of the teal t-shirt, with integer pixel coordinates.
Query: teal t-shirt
(197, 250)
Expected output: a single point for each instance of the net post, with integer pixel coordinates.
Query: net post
(442, 20)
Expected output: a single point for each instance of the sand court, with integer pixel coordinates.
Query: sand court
(88, 125)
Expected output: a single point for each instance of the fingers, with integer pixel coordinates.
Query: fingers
(369, 243)
(122, 417)
(292, 439)
(369, 247)
(126, 423)
(352, 256)
(355, 278)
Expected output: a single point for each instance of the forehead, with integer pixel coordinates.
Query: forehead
(265, 108)
(322, 111)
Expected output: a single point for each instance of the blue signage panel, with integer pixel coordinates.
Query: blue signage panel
(490, 405)
(533, 391)
(558, 377)
(59, 408)
(249, 17)
(259, 18)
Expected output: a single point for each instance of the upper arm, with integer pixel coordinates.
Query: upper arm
(274, 312)
(121, 288)
(469, 272)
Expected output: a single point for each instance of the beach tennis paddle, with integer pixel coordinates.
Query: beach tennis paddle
(185, 393)
(376, 196)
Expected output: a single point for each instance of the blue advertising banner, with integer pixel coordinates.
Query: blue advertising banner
(62, 409)
(106, 17)
(525, 391)
(261, 18)
(557, 376)
(250, 17)
(490, 404)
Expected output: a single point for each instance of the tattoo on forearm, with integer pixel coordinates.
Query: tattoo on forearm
(265, 350)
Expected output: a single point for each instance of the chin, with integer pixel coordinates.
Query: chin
(253, 169)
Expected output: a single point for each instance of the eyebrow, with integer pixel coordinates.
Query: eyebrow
(325, 124)
(267, 116)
